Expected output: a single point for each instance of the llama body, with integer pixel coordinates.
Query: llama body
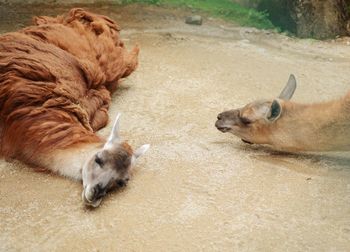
(289, 126)
(56, 80)
(314, 127)
(69, 162)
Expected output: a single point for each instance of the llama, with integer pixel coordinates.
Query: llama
(56, 80)
(290, 126)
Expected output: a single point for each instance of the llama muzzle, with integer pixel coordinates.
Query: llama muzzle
(92, 196)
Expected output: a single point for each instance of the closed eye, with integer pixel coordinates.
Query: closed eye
(98, 161)
(245, 120)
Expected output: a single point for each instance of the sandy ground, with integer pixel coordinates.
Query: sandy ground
(196, 189)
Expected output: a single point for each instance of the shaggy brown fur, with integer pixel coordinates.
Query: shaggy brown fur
(56, 79)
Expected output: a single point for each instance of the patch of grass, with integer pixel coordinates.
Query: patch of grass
(225, 9)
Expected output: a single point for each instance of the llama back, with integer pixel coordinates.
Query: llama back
(42, 100)
(95, 42)
(55, 93)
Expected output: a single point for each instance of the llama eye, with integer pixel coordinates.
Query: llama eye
(245, 120)
(98, 161)
(121, 182)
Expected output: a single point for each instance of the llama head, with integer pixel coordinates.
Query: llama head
(109, 168)
(252, 122)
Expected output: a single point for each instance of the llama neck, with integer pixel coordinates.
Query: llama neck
(69, 162)
(315, 127)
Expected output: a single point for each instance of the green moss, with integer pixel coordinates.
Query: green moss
(219, 8)
(279, 13)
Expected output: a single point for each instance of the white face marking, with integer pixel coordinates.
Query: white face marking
(109, 167)
(105, 170)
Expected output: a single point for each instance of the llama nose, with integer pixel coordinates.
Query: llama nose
(89, 193)
(96, 190)
(99, 192)
(219, 116)
(93, 193)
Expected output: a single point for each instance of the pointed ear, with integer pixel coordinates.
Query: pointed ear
(141, 150)
(289, 89)
(114, 135)
(275, 111)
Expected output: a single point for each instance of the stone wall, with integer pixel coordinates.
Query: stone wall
(319, 19)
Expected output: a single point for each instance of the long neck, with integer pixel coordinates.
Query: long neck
(69, 162)
(315, 127)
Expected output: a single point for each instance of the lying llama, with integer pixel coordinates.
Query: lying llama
(290, 126)
(56, 80)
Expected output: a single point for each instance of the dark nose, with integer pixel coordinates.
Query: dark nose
(219, 116)
(99, 192)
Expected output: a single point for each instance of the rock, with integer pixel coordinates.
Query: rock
(194, 20)
(318, 19)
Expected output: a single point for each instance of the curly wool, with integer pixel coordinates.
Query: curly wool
(56, 80)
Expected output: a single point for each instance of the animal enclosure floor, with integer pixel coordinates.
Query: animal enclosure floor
(197, 189)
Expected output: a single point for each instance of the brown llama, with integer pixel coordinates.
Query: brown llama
(290, 126)
(56, 80)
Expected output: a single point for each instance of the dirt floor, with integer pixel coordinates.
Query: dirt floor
(197, 189)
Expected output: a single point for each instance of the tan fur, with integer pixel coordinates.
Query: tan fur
(299, 127)
(314, 127)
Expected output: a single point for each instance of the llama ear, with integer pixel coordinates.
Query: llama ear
(275, 111)
(115, 132)
(141, 150)
(289, 89)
